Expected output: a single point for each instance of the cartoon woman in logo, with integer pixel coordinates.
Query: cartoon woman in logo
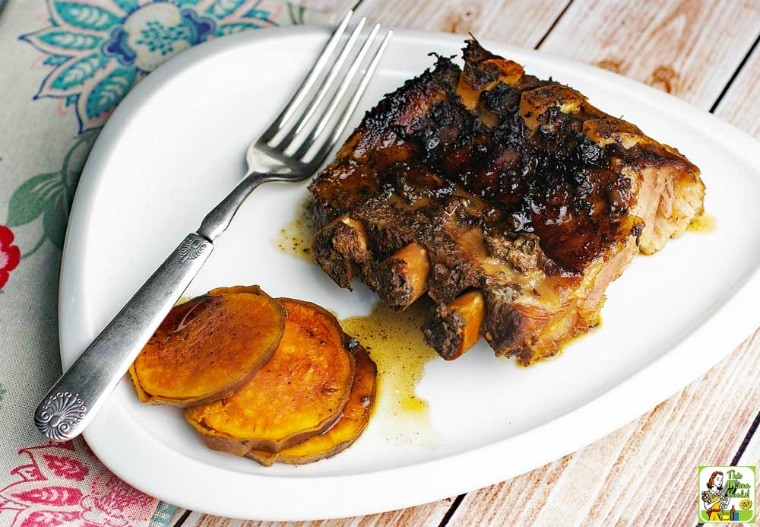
(714, 498)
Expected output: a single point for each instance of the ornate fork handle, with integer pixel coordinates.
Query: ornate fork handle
(78, 394)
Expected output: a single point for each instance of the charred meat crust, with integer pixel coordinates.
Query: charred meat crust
(513, 185)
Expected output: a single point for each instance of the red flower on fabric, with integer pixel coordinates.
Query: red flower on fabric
(66, 467)
(9, 254)
(65, 485)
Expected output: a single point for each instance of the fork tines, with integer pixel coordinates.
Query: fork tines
(313, 121)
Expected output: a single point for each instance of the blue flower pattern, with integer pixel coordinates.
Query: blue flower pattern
(97, 50)
(157, 37)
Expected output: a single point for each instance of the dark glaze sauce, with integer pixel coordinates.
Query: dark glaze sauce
(556, 184)
(424, 145)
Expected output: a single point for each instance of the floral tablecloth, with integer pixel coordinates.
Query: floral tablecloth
(64, 67)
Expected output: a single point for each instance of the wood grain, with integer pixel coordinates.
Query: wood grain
(423, 516)
(519, 22)
(689, 48)
(739, 106)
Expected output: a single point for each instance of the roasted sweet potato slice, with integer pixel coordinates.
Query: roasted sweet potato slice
(346, 429)
(208, 347)
(299, 393)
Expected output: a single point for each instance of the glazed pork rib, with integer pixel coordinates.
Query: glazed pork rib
(509, 200)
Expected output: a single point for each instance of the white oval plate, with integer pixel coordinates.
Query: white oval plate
(176, 145)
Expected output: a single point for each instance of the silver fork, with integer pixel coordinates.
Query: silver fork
(291, 149)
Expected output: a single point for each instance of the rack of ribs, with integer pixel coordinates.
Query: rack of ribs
(509, 201)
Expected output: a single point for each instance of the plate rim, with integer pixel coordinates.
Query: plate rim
(315, 491)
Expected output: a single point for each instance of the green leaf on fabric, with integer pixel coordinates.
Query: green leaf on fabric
(70, 40)
(109, 92)
(55, 218)
(30, 199)
(79, 72)
(50, 195)
(55, 60)
(74, 162)
(297, 13)
(85, 16)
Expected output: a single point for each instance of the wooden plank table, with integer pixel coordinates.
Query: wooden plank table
(707, 53)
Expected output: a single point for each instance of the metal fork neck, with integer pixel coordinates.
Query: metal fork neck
(217, 221)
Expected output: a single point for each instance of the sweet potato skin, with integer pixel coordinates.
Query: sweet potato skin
(347, 428)
(208, 347)
(299, 393)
